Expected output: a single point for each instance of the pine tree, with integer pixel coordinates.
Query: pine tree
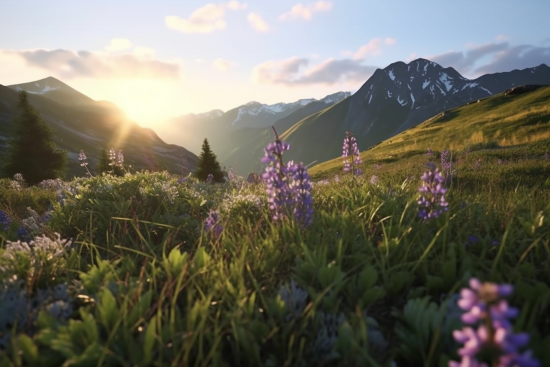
(32, 151)
(103, 165)
(208, 164)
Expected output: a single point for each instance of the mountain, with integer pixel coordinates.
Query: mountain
(497, 125)
(78, 122)
(392, 100)
(226, 131)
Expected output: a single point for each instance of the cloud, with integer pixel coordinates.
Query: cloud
(222, 65)
(300, 11)
(373, 48)
(204, 20)
(257, 22)
(69, 64)
(502, 57)
(144, 52)
(235, 5)
(545, 41)
(118, 44)
(295, 71)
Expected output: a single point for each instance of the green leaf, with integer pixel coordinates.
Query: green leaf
(107, 309)
(149, 341)
(29, 349)
(367, 278)
(372, 295)
(140, 308)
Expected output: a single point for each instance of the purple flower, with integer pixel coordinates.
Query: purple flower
(493, 339)
(429, 153)
(288, 186)
(212, 223)
(5, 220)
(432, 199)
(447, 165)
(351, 150)
(209, 178)
(374, 180)
(499, 161)
(82, 158)
(230, 176)
(120, 158)
(300, 185)
(253, 178)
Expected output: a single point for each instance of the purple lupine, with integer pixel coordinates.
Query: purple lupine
(494, 338)
(288, 186)
(5, 220)
(374, 180)
(429, 153)
(432, 197)
(209, 178)
(351, 150)
(230, 176)
(120, 158)
(82, 158)
(447, 165)
(275, 177)
(212, 223)
(112, 157)
(253, 178)
(499, 161)
(300, 185)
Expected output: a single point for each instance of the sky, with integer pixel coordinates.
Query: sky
(160, 59)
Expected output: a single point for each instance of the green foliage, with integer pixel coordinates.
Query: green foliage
(32, 152)
(371, 283)
(208, 164)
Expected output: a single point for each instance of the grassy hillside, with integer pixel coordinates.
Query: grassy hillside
(513, 128)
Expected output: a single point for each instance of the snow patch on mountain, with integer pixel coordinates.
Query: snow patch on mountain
(391, 75)
(402, 102)
(426, 83)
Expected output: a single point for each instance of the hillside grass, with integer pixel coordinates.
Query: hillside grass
(369, 283)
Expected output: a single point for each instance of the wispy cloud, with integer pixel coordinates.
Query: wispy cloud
(204, 20)
(295, 71)
(503, 57)
(69, 64)
(372, 48)
(305, 12)
(118, 44)
(222, 65)
(257, 22)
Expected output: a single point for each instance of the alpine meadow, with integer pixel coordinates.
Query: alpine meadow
(386, 205)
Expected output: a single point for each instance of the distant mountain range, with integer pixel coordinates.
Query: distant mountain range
(392, 100)
(79, 122)
(190, 130)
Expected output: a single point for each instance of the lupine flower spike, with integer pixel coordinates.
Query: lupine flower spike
(351, 150)
(82, 158)
(432, 199)
(288, 186)
(493, 343)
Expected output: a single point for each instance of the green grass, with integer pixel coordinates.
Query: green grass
(371, 284)
(148, 287)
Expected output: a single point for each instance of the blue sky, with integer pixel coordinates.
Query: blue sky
(158, 59)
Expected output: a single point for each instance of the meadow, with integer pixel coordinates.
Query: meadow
(162, 270)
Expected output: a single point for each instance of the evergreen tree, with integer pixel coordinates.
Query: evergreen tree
(208, 164)
(103, 165)
(32, 151)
